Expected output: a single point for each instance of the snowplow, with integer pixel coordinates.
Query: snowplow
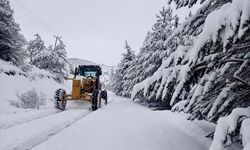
(86, 86)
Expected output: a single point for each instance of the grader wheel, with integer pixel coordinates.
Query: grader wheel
(104, 95)
(94, 100)
(59, 99)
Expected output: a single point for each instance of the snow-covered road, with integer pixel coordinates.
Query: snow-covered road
(10, 120)
(121, 125)
(26, 135)
(124, 125)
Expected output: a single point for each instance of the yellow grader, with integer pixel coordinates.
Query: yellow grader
(86, 87)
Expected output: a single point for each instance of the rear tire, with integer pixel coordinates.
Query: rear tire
(60, 102)
(94, 100)
(104, 95)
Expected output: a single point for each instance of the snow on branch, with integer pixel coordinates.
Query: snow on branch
(222, 24)
(244, 64)
(245, 128)
(231, 128)
(168, 71)
(222, 28)
(220, 100)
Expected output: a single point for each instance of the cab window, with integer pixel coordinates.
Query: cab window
(89, 73)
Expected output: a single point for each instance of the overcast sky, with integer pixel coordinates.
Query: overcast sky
(94, 30)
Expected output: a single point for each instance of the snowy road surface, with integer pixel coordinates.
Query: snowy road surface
(121, 125)
(28, 134)
(124, 125)
(7, 121)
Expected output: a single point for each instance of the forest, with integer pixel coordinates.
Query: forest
(200, 66)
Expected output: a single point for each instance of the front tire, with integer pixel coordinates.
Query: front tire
(59, 98)
(94, 100)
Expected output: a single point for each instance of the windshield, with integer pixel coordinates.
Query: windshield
(89, 73)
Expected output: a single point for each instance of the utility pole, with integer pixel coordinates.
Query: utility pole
(57, 38)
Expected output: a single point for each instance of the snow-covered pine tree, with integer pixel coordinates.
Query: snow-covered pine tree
(119, 79)
(45, 59)
(60, 58)
(34, 49)
(195, 75)
(218, 88)
(11, 41)
(153, 50)
(53, 59)
(194, 25)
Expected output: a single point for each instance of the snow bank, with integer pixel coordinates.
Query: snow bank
(226, 129)
(180, 106)
(13, 79)
(7, 67)
(244, 131)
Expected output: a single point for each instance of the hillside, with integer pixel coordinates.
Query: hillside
(15, 82)
(76, 61)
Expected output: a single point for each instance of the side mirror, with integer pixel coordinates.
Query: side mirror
(76, 72)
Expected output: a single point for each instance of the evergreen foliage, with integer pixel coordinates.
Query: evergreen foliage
(195, 69)
(206, 75)
(119, 76)
(153, 51)
(11, 41)
(51, 59)
(34, 49)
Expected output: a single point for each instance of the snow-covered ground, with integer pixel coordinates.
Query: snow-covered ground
(122, 124)
(28, 134)
(22, 82)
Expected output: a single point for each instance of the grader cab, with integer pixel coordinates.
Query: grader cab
(86, 86)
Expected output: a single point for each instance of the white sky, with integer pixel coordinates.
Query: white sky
(94, 30)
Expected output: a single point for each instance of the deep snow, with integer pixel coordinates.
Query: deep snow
(22, 82)
(28, 134)
(123, 125)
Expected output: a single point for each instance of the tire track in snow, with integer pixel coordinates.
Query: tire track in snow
(8, 121)
(30, 134)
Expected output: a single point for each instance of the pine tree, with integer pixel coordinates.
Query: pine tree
(191, 71)
(202, 73)
(154, 49)
(216, 81)
(60, 57)
(11, 41)
(52, 59)
(119, 80)
(34, 49)
(45, 59)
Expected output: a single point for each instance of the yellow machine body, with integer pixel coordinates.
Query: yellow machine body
(81, 89)
(76, 89)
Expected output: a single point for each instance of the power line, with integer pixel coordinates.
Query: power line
(36, 19)
(34, 16)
